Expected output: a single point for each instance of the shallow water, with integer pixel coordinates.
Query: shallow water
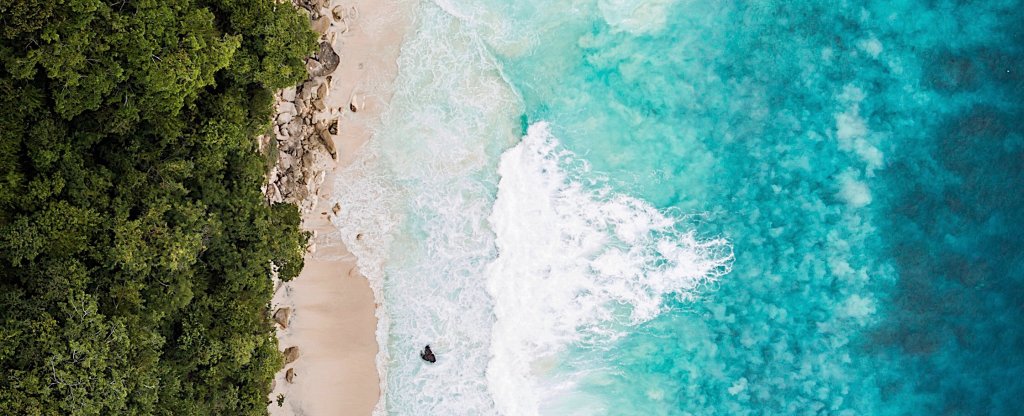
(704, 208)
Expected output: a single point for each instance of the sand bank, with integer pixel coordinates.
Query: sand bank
(331, 305)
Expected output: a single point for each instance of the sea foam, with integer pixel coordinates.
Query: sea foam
(577, 264)
(414, 210)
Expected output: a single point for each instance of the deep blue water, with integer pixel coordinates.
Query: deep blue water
(865, 159)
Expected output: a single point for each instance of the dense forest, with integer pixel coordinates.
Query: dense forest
(136, 248)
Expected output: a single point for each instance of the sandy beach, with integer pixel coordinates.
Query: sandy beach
(330, 304)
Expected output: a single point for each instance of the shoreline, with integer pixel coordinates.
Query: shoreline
(332, 310)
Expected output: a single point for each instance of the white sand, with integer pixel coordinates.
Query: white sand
(333, 321)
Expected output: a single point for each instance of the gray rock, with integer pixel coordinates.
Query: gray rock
(287, 107)
(291, 354)
(326, 59)
(284, 118)
(288, 94)
(282, 316)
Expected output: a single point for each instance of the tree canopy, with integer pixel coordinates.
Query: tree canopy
(135, 244)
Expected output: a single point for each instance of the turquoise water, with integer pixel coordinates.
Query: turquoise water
(716, 208)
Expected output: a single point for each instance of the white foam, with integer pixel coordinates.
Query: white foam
(574, 263)
(420, 194)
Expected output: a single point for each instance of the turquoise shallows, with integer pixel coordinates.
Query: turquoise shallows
(864, 159)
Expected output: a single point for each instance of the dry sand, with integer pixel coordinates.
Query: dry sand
(333, 321)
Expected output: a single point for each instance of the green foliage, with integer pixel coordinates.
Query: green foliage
(135, 246)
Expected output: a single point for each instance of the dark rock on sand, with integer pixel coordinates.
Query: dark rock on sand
(428, 355)
(291, 354)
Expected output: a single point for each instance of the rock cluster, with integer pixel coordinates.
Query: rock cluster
(305, 125)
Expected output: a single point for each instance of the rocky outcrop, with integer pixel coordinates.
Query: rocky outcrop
(325, 61)
(282, 316)
(305, 122)
(291, 354)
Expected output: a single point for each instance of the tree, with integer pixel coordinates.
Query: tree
(135, 246)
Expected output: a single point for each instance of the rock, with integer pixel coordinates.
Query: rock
(326, 59)
(339, 12)
(321, 25)
(289, 375)
(356, 103)
(300, 106)
(308, 88)
(296, 126)
(323, 130)
(307, 161)
(273, 193)
(428, 355)
(336, 209)
(329, 145)
(282, 316)
(284, 118)
(298, 193)
(285, 160)
(291, 354)
(288, 94)
(323, 91)
(287, 108)
(311, 249)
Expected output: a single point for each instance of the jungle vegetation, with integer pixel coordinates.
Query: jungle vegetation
(135, 243)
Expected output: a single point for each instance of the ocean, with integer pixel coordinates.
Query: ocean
(672, 207)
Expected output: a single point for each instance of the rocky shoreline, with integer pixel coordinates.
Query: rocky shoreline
(305, 125)
(326, 318)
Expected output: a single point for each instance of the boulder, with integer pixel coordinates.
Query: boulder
(323, 130)
(326, 61)
(286, 108)
(282, 316)
(291, 354)
(323, 91)
(284, 118)
(288, 94)
(322, 24)
(273, 193)
(308, 88)
(339, 12)
(356, 103)
(307, 161)
(428, 355)
(289, 375)
(285, 160)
